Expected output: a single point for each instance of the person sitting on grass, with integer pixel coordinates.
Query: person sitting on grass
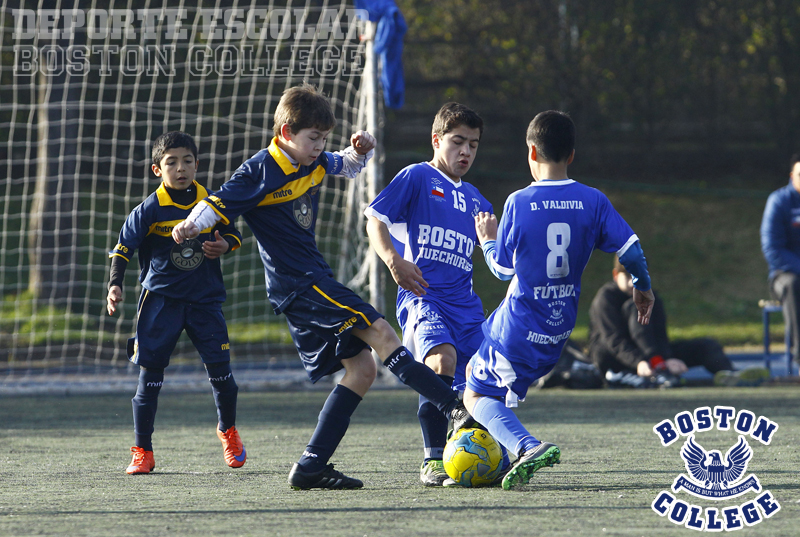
(642, 356)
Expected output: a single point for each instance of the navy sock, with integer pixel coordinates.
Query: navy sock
(434, 425)
(334, 418)
(225, 393)
(421, 378)
(145, 404)
(503, 425)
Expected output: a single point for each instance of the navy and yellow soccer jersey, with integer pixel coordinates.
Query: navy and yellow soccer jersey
(279, 201)
(174, 272)
(432, 222)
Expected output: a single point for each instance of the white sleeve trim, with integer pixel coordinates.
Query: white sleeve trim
(203, 216)
(352, 162)
(627, 245)
(369, 211)
(501, 269)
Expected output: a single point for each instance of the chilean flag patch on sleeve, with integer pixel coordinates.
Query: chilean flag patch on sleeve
(437, 192)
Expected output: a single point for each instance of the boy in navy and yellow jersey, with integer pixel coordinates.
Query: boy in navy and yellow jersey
(182, 289)
(277, 192)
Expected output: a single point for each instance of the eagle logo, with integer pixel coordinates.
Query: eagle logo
(711, 477)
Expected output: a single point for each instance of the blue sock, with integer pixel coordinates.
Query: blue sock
(225, 393)
(145, 404)
(421, 378)
(503, 425)
(334, 418)
(434, 425)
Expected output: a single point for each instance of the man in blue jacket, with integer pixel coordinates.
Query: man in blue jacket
(780, 242)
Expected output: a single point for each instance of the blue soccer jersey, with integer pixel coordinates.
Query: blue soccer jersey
(546, 235)
(164, 269)
(279, 201)
(432, 221)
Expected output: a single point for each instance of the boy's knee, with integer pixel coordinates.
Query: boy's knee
(363, 366)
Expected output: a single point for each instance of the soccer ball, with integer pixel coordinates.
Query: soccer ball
(472, 457)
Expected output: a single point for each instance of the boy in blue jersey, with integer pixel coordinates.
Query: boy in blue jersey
(546, 235)
(182, 289)
(422, 225)
(277, 192)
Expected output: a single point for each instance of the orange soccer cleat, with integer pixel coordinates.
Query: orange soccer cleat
(235, 454)
(142, 462)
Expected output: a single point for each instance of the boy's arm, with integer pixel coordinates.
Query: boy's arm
(405, 273)
(226, 239)
(634, 262)
(486, 229)
(114, 297)
(351, 160)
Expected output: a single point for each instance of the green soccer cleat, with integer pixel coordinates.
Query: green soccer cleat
(432, 473)
(520, 472)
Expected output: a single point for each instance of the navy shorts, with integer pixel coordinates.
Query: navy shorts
(161, 320)
(321, 320)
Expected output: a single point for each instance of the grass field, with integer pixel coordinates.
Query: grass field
(63, 458)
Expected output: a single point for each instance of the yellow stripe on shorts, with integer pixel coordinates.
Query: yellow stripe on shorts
(348, 308)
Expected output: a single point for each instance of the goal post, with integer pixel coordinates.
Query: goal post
(86, 89)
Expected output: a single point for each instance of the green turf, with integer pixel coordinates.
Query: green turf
(62, 462)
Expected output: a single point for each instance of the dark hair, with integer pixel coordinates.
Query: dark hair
(172, 140)
(794, 160)
(453, 115)
(303, 107)
(553, 134)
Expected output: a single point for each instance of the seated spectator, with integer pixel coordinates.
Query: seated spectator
(633, 355)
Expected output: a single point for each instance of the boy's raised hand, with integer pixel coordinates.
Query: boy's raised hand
(363, 142)
(486, 227)
(213, 248)
(185, 230)
(114, 297)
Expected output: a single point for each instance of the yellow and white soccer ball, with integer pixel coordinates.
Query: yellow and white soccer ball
(472, 458)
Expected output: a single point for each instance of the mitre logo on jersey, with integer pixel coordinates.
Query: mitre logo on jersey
(712, 476)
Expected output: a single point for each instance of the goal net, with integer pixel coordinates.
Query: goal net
(84, 92)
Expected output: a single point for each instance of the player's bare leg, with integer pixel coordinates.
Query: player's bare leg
(360, 372)
(416, 375)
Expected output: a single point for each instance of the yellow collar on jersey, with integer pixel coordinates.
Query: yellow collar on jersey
(293, 189)
(164, 200)
(282, 160)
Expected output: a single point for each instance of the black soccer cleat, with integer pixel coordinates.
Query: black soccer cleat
(327, 478)
(460, 418)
